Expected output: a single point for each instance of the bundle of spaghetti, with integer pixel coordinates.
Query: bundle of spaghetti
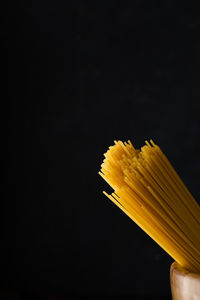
(149, 190)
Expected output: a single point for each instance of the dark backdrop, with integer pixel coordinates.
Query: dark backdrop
(80, 76)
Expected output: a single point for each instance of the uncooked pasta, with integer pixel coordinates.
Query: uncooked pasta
(149, 190)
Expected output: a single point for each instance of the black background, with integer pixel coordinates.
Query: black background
(80, 76)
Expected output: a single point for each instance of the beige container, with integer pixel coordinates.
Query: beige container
(184, 285)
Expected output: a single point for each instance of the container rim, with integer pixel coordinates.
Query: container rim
(175, 267)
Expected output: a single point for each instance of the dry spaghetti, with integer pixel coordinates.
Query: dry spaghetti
(148, 189)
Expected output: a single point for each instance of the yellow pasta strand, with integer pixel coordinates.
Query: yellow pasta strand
(149, 190)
